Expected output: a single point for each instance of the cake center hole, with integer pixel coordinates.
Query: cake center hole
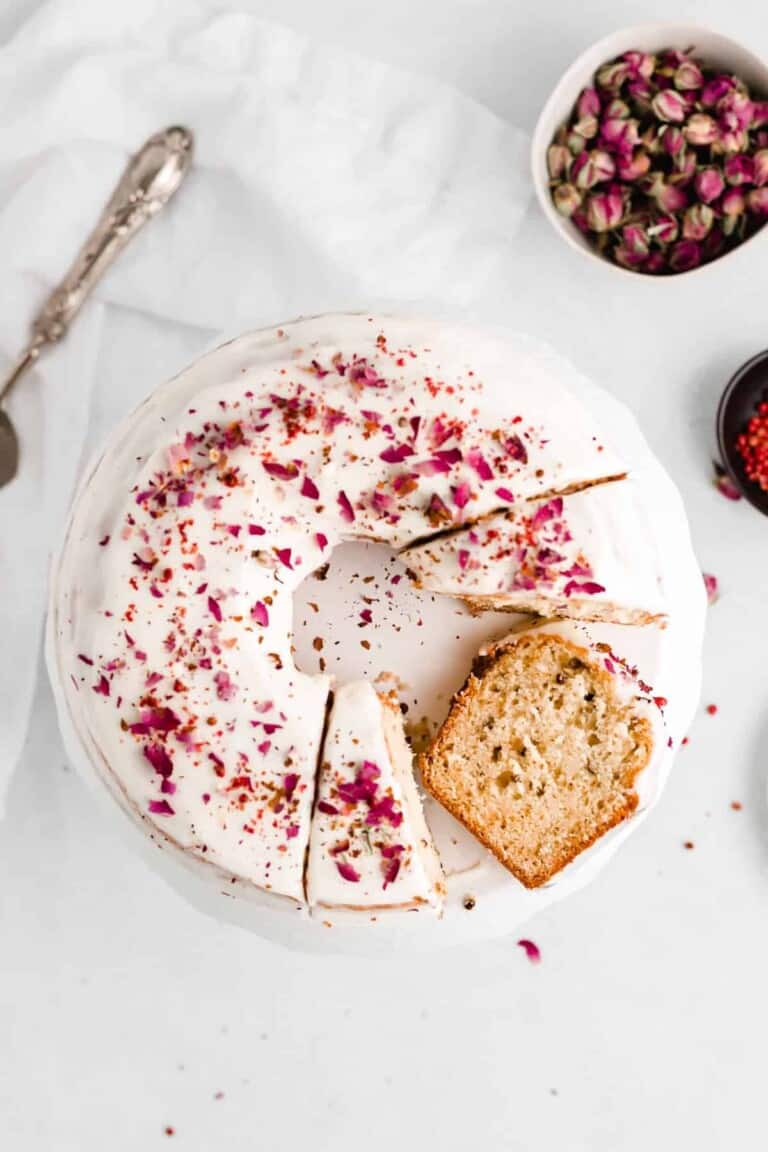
(363, 618)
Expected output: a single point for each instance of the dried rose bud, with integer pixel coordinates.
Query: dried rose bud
(761, 139)
(620, 135)
(729, 142)
(714, 243)
(757, 201)
(672, 140)
(664, 230)
(669, 105)
(685, 166)
(669, 197)
(640, 63)
(759, 113)
(669, 61)
(688, 75)
(558, 161)
(634, 166)
(655, 263)
(714, 90)
(635, 239)
(701, 129)
(591, 168)
(579, 218)
(588, 103)
(627, 258)
(733, 202)
(685, 255)
(739, 169)
(698, 221)
(760, 167)
(586, 126)
(616, 110)
(567, 199)
(605, 211)
(611, 76)
(576, 144)
(735, 111)
(640, 93)
(709, 184)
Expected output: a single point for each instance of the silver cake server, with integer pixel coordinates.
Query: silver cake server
(149, 181)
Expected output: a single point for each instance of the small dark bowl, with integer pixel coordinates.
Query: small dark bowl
(738, 404)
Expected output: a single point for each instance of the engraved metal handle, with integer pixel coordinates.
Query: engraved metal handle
(149, 181)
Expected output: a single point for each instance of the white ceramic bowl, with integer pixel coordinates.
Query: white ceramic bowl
(709, 46)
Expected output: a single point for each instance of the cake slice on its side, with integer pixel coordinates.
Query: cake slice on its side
(588, 556)
(539, 754)
(370, 847)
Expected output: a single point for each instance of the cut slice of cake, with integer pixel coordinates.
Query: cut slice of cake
(541, 749)
(370, 847)
(589, 555)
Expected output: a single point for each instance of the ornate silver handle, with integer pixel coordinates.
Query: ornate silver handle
(149, 181)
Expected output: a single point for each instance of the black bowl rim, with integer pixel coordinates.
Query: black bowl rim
(756, 496)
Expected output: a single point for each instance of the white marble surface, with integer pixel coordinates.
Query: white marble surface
(123, 1011)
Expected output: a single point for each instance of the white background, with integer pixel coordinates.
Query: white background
(122, 1010)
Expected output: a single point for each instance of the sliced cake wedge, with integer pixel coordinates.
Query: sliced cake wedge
(540, 752)
(589, 555)
(370, 847)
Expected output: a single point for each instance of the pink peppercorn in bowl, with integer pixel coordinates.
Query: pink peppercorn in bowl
(743, 415)
(716, 52)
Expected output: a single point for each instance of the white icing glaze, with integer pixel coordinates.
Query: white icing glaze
(370, 847)
(195, 528)
(590, 554)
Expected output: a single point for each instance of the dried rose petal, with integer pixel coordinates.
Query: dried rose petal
(710, 583)
(531, 950)
(347, 872)
(160, 808)
(726, 486)
(347, 511)
(260, 613)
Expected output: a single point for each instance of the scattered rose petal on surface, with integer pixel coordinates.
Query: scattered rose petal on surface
(531, 950)
(710, 583)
